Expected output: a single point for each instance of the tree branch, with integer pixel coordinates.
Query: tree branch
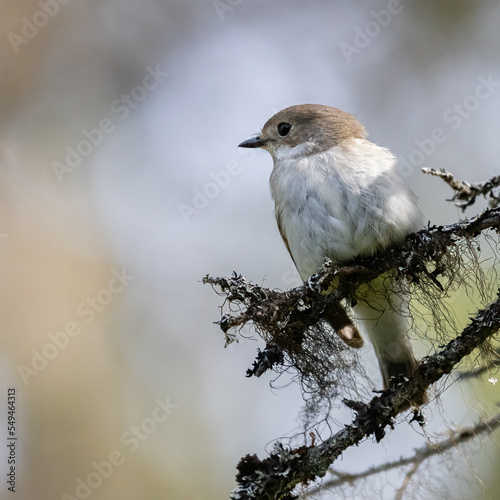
(282, 318)
(466, 193)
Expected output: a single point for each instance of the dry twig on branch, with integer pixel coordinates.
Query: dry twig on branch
(466, 193)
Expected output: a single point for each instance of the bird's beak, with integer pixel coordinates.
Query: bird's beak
(254, 142)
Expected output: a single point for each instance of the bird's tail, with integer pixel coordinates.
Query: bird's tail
(384, 316)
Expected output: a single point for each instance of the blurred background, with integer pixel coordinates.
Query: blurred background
(122, 186)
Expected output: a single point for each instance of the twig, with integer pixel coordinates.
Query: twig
(407, 479)
(466, 193)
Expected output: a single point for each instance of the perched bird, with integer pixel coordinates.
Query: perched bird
(340, 196)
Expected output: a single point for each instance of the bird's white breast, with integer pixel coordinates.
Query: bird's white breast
(347, 201)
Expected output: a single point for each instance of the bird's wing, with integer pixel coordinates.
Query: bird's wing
(283, 235)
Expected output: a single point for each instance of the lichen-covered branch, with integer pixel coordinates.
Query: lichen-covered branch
(458, 437)
(466, 193)
(276, 476)
(270, 308)
(282, 318)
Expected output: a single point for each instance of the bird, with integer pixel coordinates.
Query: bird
(339, 196)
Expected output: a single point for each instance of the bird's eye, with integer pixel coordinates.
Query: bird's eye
(284, 128)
